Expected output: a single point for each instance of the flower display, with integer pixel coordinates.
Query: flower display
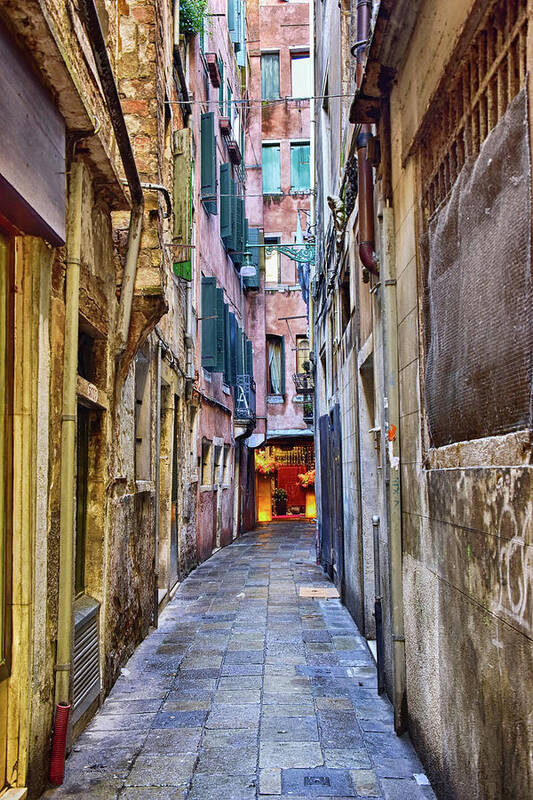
(265, 464)
(307, 478)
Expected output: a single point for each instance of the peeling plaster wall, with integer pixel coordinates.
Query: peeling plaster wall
(467, 530)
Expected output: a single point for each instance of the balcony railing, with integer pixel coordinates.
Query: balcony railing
(245, 399)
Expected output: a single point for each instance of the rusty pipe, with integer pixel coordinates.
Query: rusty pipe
(367, 252)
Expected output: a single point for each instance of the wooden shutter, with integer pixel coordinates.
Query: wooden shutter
(208, 168)
(221, 87)
(219, 365)
(227, 346)
(300, 172)
(249, 358)
(234, 334)
(270, 76)
(209, 323)
(271, 169)
(254, 239)
(182, 203)
(226, 193)
(240, 352)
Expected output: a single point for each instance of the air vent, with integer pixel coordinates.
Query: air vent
(86, 661)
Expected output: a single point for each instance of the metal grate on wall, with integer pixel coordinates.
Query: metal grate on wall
(487, 78)
(86, 661)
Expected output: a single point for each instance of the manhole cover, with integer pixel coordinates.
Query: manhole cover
(317, 780)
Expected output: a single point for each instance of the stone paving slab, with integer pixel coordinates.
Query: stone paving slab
(256, 685)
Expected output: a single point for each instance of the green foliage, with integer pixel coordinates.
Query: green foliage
(192, 13)
(279, 494)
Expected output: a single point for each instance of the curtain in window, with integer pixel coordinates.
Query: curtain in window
(274, 366)
(300, 174)
(270, 76)
(271, 169)
(301, 75)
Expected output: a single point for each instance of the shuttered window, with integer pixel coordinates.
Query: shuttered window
(183, 203)
(221, 87)
(270, 76)
(252, 245)
(300, 172)
(271, 169)
(209, 323)
(208, 169)
(221, 338)
(226, 192)
(227, 346)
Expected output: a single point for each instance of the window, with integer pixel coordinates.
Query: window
(206, 463)
(271, 169)
(218, 464)
(276, 365)
(300, 172)
(302, 354)
(269, 76)
(229, 106)
(227, 465)
(272, 261)
(301, 75)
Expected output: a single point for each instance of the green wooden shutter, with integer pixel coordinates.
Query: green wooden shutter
(227, 346)
(219, 365)
(225, 203)
(234, 333)
(240, 351)
(254, 239)
(182, 202)
(221, 87)
(271, 169)
(282, 341)
(209, 323)
(300, 172)
(208, 168)
(249, 358)
(270, 76)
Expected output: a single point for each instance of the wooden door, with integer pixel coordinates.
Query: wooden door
(6, 390)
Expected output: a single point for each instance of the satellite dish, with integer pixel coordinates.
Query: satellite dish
(248, 271)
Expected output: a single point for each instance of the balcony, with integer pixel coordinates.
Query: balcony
(245, 401)
(304, 382)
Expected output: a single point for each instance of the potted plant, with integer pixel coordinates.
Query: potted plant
(280, 501)
(307, 482)
(308, 411)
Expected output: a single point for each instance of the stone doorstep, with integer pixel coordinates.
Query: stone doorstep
(14, 794)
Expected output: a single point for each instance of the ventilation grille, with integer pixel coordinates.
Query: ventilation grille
(86, 663)
(487, 79)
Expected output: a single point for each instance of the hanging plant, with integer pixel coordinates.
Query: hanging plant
(307, 479)
(265, 464)
(192, 14)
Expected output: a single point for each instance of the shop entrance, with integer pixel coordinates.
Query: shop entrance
(285, 477)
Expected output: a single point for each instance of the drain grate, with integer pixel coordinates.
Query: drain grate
(317, 780)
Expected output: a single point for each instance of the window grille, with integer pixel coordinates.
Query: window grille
(487, 78)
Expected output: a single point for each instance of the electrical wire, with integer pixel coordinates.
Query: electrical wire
(262, 103)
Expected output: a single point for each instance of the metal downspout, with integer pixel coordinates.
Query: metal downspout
(157, 482)
(68, 437)
(392, 423)
(105, 73)
(367, 243)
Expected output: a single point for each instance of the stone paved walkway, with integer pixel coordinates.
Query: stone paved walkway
(248, 689)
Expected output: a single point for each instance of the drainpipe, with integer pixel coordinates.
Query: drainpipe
(392, 425)
(68, 437)
(105, 73)
(157, 481)
(367, 243)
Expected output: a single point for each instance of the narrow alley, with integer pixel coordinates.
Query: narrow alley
(256, 684)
